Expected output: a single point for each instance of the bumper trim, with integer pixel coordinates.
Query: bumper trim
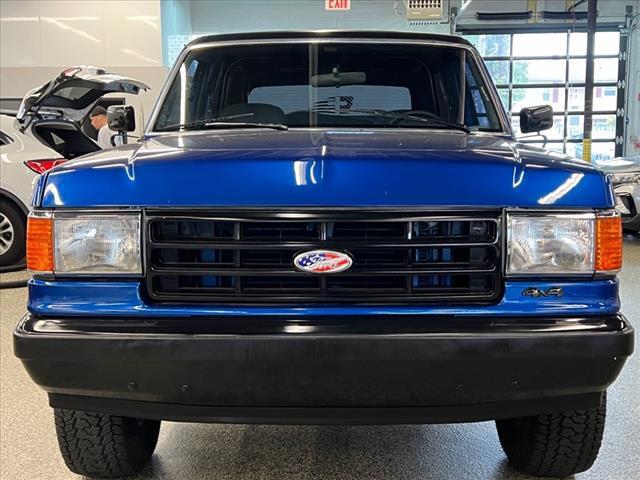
(328, 325)
(326, 415)
(346, 370)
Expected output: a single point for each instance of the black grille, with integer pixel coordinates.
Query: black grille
(398, 257)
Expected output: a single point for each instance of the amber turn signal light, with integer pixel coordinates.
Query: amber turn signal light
(40, 243)
(608, 244)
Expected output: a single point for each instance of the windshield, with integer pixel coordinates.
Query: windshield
(328, 85)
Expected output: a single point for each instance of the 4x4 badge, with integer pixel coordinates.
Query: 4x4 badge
(538, 292)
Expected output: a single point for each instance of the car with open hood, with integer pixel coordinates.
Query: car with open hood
(48, 129)
(326, 227)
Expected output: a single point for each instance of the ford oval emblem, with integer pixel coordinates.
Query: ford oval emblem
(322, 261)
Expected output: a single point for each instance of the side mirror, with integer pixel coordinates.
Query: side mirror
(121, 118)
(536, 119)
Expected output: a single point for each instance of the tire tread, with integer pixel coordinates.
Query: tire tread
(554, 445)
(104, 446)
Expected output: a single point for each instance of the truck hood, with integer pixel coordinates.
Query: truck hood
(315, 167)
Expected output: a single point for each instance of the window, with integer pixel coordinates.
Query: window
(72, 93)
(329, 85)
(478, 111)
(549, 68)
(291, 98)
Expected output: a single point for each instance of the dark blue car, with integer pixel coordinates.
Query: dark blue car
(332, 227)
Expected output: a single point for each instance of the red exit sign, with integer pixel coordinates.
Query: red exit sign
(337, 4)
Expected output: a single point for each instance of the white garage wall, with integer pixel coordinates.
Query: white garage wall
(38, 39)
(193, 18)
(223, 16)
(260, 15)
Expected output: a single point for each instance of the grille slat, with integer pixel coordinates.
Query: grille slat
(295, 273)
(398, 257)
(342, 245)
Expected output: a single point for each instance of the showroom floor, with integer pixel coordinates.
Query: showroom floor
(194, 451)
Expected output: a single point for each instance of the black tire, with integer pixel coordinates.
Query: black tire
(104, 446)
(11, 215)
(553, 445)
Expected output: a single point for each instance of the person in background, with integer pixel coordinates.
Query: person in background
(99, 122)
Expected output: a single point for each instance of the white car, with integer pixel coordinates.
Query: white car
(22, 159)
(625, 177)
(47, 130)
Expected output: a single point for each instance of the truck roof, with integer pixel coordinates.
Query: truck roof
(311, 34)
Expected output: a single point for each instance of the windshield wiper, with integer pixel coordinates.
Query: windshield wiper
(221, 123)
(405, 116)
(275, 126)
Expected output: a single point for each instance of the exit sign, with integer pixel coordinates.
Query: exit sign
(337, 4)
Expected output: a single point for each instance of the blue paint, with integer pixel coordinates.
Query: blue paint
(315, 167)
(323, 168)
(120, 298)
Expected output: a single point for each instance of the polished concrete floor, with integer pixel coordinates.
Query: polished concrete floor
(193, 451)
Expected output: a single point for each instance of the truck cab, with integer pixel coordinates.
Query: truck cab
(326, 227)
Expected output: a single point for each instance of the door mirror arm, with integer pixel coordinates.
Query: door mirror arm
(545, 139)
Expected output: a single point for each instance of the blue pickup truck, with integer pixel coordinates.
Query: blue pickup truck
(318, 228)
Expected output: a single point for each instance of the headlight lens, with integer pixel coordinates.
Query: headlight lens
(624, 178)
(97, 244)
(552, 244)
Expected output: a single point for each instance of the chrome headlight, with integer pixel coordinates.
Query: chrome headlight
(550, 244)
(563, 244)
(95, 243)
(624, 178)
(67, 243)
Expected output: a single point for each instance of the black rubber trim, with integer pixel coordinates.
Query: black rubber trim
(489, 16)
(326, 415)
(331, 34)
(324, 325)
(432, 369)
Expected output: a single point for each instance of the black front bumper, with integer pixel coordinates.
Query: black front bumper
(280, 370)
